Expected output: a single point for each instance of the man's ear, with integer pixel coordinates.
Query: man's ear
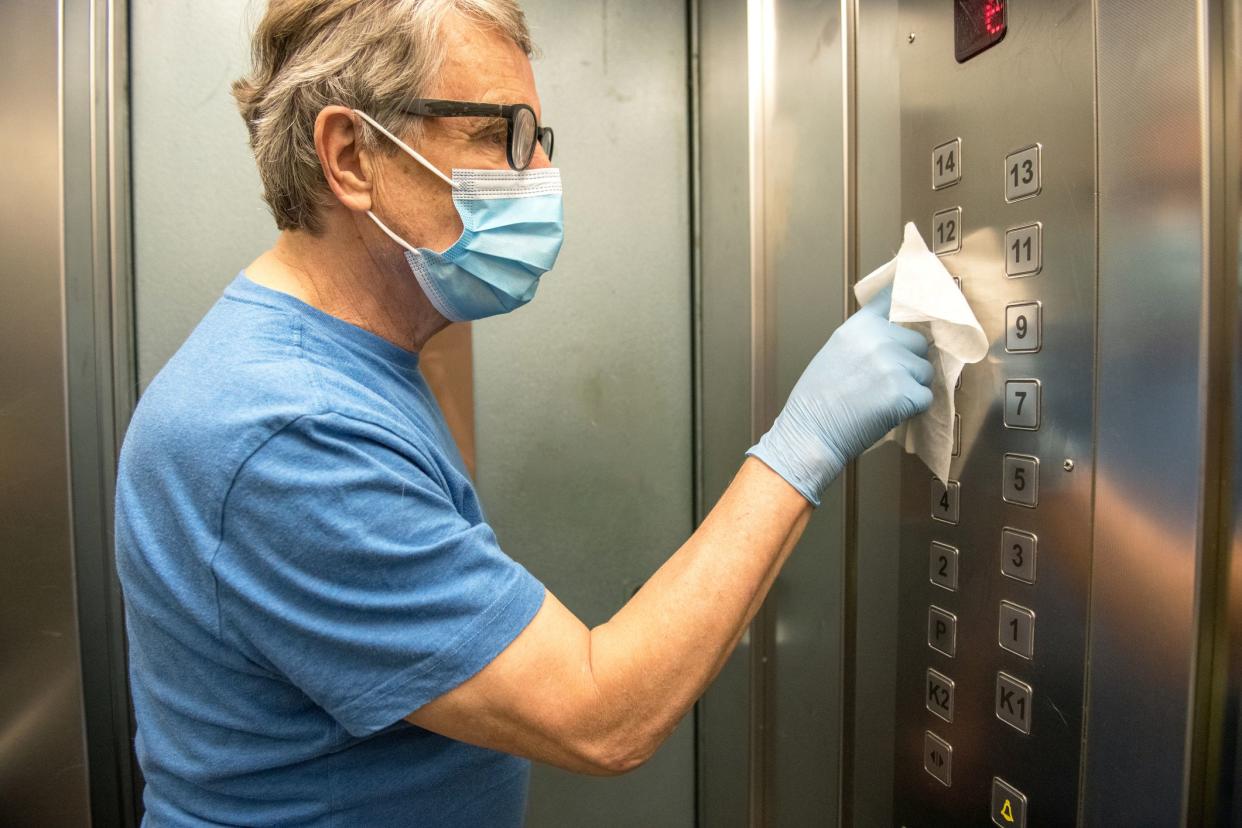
(346, 167)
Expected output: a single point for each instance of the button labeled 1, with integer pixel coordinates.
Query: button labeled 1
(1024, 250)
(944, 500)
(1017, 629)
(1022, 174)
(1020, 480)
(1023, 328)
(1022, 404)
(946, 164)
(1008, 805)
(947, 231)
(1013, 702)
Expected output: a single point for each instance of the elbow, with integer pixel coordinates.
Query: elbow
(618, 754)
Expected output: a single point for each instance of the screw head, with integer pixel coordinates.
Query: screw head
(1068, 465)
(910, 37)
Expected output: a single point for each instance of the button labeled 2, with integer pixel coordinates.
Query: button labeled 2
(943, 566)
(947, 231)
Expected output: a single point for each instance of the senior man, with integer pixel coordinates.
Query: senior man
(323, 628)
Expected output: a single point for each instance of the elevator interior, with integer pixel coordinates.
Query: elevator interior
(1053, 636)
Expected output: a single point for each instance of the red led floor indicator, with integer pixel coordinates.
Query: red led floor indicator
(977, 25)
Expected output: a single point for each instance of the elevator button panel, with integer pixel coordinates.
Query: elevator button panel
(945, 500)
(1022, 174)
(946, 164)
(1020, 480)
(947, 231)
(1024, 331)
(938, 758)
(1013, 702)
(1008, 805)
(1018, 555)
(939, 697)
(942, 631)
(1017, 629)
(1022, 404)
(943, 566)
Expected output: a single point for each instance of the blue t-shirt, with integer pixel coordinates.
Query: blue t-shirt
(305, 563)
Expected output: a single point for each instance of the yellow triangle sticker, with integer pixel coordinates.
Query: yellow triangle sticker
(1007, 811)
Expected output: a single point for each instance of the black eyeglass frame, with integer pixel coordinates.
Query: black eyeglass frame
(435, 108)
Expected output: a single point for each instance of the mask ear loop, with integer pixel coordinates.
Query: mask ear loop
(413, 153)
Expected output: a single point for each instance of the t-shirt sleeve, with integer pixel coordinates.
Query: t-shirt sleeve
(345, 567)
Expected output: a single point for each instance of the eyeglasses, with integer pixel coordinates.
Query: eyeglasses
(524, 130)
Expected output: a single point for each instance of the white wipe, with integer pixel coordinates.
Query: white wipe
(927, 300)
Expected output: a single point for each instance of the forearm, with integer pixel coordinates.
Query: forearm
(656, 656)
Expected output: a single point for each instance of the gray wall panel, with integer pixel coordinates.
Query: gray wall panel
(583, 406)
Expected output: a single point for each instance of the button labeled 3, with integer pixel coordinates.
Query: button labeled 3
(1008, 805)
(938, 758)
(939, 699)
(944, 500)
(942, 631)
(1013, 702)
(1017, 629)
(947, 231)
(1018, 550)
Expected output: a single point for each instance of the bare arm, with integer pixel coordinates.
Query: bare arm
(601, 701)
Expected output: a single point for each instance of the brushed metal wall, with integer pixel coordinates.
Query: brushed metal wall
(43, 779)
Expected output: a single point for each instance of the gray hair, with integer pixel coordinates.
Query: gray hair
(372, 55)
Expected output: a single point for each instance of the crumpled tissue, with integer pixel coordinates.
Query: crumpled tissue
(926, 299)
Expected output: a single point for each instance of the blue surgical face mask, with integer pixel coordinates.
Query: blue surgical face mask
(513, 229)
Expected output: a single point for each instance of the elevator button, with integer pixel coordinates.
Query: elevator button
(1013, 702)
(942, 631)
(1020, 480)
(939, 698)
(943, 566)
(1022, 404)
(1024, 250)
(1018, 551)
(938, 758)
(947, 164)
(1022, 174)
(1023, 328)
(1017, 629)
(947, 231)
(945, 500)
(1008, 805)
(957, 435)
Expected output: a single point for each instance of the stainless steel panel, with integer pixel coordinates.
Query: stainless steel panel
(43, 779)
(1150, 449)
(999, 103)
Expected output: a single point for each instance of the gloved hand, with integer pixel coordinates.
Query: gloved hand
(869, 377)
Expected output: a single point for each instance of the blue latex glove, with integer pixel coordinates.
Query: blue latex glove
(869, 377)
